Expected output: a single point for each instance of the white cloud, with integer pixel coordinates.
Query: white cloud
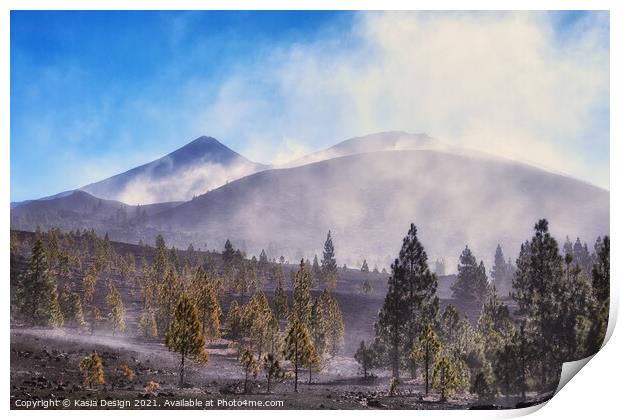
(500, 82)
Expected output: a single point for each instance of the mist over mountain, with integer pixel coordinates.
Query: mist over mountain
(368, 200)
(195, 168)
(376, 142)
(366, 190)
(81, 210)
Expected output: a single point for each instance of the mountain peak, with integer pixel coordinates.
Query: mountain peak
(205, 140)
(203, 149)
(198, 166)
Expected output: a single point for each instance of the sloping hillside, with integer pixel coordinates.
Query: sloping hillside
(368, 201)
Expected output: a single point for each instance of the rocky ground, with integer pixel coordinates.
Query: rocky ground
(44, 367)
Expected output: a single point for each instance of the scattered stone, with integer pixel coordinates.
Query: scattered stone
(375, 404)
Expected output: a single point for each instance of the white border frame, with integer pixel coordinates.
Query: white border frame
(592, 395)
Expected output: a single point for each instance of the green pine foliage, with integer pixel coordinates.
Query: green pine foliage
(445, 378)
(116, 315)
(280, 301)
(540, 291)
(333, 322)
(71, 306)
(427, 350)
(273, 370)
(234, 322)
(184, 335)
(204, 295)
(91, 368)
(36, 296)
(147, 325)
(250, 366)
(410, 304)
(471, 281)
(298, 347)
(329, 267)
(302, 299)
(366, 358)
(501, 273)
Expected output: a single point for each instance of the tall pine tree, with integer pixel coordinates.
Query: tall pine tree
(410, 304)
(36, 293)
(471, 282)
(329, 268)
(184, 335)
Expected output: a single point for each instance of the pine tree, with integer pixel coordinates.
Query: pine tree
(316, 268)
(234, 322)
(512, 366)
(271, 366)
(500, 274)
(71, 307)
(96, 318)
(228, 255)
(427, 350)
(334, 322)
(595, 327)
(482, 389)
(449, 322)
(116, 308)
(256, 321)
(280, 302)
(329, 268)
(263, 265)
(312, 362)
(203, 293)
(298, 347)
(539, 290)
(37, 295)
(365, 268)
(419, 294)
(89, 282)
(390, 328)
(600, 272)
(302, 299)
(161, 257)
(318, 327)
(471, 282)
(168, 293)
(184, 335)
(147, 325)
(91, 368)
(365, 357)
(273, 336)
(495, 324)
(445, 379)
(250, 366)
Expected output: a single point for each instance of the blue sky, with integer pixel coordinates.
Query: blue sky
(96, 93)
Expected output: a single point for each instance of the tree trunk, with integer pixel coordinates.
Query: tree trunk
(426, 368)
(295, 375)
(204, 322)
(245, 384)
(443, 384)
(268, 383)
(182, 375)
(310, 371)
(396, 362)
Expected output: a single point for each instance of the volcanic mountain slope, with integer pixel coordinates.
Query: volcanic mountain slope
(79, 209)
(368, 201)
(377, 142)
(192, 170)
